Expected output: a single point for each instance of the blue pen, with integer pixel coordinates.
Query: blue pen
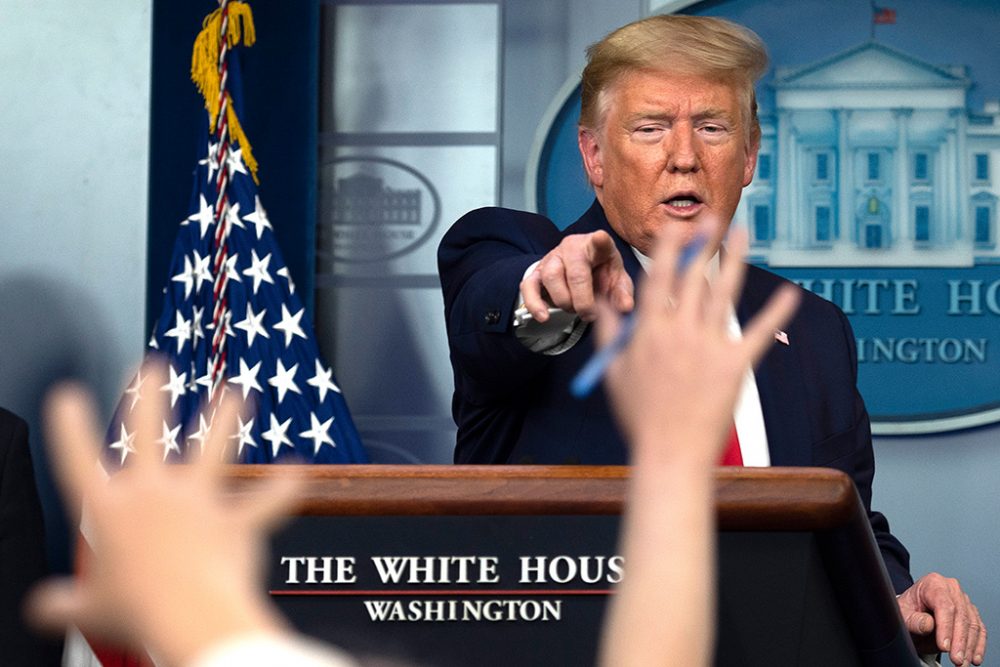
(590, 375)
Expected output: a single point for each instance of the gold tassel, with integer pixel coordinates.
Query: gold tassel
(237, 133)
(205, 69)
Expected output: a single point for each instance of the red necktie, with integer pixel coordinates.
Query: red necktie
(732, 455)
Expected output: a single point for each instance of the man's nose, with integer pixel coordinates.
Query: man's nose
(682, 154)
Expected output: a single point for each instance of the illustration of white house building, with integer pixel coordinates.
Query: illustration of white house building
(873, 158)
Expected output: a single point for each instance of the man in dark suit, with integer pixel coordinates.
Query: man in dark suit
(22, 547)
(669, 137)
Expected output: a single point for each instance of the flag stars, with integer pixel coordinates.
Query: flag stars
(205, 216)
(258, 218)
(283, 380)
(134, 389)
(289, 324)
(205, 380)
(245, 436)
(233, 215)
(277, 435)
(283, 272)
(258, 270)
(181, 331)
(169, 440)
(234, 160)
(247, 378)
(125, 444)
(199, 435)
(199, 270)
(196, 329)
(227, 327)
(253, 325)
(318, 432)
(231, 271)
(323, 381)
(177, 386)
(192, 384)
(186, 277)
(210, 160)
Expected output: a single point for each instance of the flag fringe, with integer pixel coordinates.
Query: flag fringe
(205, 69)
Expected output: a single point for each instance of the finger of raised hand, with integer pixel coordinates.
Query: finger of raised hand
(147, 420)
(73, 440)
(758, 335)
(729, 284)
(693, 285)
(607, 324)
(224, 424)
(270, 504)
(659, 288)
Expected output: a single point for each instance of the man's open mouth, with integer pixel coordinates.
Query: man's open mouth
(685, 200)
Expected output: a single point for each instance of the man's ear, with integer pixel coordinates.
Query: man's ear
(750, 157)
(590, 151)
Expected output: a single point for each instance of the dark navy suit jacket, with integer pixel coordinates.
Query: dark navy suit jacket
(514, 406)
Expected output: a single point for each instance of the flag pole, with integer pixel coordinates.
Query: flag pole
(220, 314)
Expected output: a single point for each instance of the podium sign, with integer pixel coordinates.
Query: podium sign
(449, 565)
(451, 590)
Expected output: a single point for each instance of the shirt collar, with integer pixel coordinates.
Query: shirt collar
(711, 269)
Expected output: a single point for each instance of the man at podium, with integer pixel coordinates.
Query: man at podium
(669, 136)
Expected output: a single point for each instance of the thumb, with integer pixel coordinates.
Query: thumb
(55, 604)
(920, 623)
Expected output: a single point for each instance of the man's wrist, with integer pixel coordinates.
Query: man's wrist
(554, 336)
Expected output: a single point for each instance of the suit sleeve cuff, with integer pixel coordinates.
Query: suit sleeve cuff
(556, 335)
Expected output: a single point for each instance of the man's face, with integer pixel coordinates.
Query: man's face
(672, 149)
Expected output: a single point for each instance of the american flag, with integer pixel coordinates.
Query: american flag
(883, 15)
(271, 357)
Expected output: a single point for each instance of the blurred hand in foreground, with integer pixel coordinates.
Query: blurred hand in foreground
(177, 560)
(673, 390)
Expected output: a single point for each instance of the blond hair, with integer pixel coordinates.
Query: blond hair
(702, 46)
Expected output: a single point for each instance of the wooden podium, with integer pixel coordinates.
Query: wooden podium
(513, 565)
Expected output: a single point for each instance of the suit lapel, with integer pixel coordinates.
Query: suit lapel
(780, 381)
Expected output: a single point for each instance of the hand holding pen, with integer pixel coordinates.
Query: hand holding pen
(674, 370)
(593, 371)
